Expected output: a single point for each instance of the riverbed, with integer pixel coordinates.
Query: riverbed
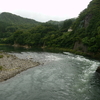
(61, 76)
(10, 65)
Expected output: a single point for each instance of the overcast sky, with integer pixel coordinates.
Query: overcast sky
(44, 10)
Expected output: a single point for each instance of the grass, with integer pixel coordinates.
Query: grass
(1, 67)
(1, 56)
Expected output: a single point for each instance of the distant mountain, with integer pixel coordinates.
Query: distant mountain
(63, 25)
(59, 23)
(15, 19)
(55, 22)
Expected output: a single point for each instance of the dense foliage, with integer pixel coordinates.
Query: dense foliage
(86, 28)
(85, 34)
(14, 19)
(49, 34)
(43, 35)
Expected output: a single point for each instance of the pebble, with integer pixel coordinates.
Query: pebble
(11, 65)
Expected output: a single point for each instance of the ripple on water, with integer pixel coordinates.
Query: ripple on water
(62, 77)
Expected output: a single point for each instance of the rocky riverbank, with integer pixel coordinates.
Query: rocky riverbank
(10, 65)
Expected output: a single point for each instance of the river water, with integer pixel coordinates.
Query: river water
(59, 77)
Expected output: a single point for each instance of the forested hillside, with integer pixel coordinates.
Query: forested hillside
(86, 29)
(15, 19)
(3, 29)
(80, 35)
(9, 23)
(25, 32)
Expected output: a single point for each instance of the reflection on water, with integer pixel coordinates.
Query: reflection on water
(9, 48)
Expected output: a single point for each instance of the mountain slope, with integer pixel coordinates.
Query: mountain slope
(14, 19)
(86, 29)
(3, 29)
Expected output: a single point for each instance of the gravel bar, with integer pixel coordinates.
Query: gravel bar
(10, 65)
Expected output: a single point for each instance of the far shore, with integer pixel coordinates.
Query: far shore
(10, 65)
(24, 46)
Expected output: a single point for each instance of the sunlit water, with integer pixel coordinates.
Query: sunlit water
(59, 77)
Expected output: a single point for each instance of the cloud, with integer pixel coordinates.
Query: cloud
(43, 10)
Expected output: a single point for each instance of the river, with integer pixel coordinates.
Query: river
(61, 76)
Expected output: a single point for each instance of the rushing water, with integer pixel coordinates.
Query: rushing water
(59, 77)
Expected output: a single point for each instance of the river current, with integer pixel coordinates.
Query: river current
(61, 76)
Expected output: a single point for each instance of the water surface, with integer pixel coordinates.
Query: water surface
(59, 77)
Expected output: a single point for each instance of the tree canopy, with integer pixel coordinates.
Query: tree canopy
(85, 31)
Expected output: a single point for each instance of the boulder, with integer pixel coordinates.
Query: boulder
(98, 70)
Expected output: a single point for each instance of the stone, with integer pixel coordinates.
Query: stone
(98, 70)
